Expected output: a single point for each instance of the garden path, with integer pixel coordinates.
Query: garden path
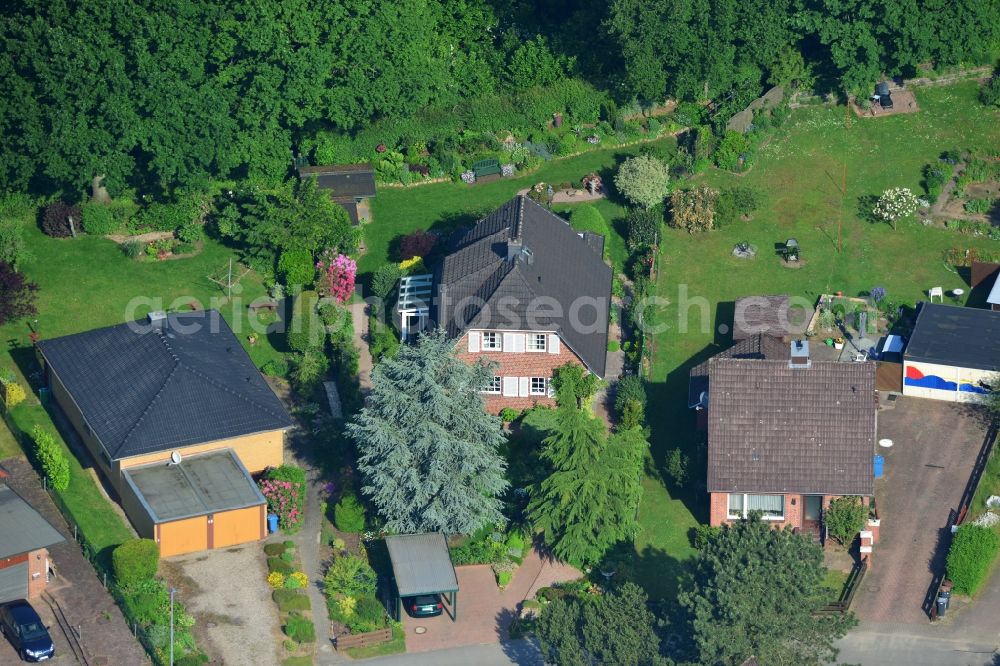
(308, 541)
(359, 312)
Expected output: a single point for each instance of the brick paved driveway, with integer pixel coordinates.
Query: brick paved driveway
(484, 612)
(926, 471)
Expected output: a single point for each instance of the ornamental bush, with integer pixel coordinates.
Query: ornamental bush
(694, 209)
(276, 367)
(370, 609)
(284, 489)
(643, 180)
(296, 267)
(417, 244)
(384, 280)
(971, 556)
(55, 221)
(348, 514)
(844, 518)
(135, 560)
(99, 219)
(51, 457)
(349, 575)
(299, 628)
(337, 275)
(895, 204)
(276, 580)
(11, 392)
(642, 226)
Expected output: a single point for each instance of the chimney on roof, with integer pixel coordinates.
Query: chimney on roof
(157, 319)
(514, 247)
(799, 357)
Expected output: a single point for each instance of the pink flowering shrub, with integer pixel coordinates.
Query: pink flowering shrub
(285, 494)
(337, 274)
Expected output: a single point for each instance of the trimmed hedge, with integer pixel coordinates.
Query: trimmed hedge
(135, 560)
(274, 549)
(305, 330)
(51, 457)
(971, 556)
(279, 565)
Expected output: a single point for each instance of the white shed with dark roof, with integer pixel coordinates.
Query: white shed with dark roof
(953, 353)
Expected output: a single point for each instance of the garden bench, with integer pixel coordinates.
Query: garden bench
(271, 306)
(486, 168)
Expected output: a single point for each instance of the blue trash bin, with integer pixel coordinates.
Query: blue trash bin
(272, 522)
(878, 465)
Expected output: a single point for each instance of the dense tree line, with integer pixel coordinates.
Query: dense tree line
(160, 96)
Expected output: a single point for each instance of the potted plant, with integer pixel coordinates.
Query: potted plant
(838, 343)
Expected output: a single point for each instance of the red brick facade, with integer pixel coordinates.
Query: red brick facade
(518, 364)
(38, 561)
(794, 506)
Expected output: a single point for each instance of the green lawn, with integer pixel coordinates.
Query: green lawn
(989, 484)
(101, 526)
(88, 282)
(8, 445)
(398, 211)
(801, 172)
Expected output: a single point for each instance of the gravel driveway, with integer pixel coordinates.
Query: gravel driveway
(227, 592)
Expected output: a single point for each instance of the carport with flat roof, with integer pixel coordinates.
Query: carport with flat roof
(421, 564)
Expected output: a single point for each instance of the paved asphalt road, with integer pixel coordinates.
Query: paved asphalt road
(518, 652)
(888, 647)
(873, 646)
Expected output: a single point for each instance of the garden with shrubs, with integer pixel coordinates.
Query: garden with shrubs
(288, 583)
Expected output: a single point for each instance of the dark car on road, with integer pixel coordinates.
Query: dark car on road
(426, 605)
(25, 630)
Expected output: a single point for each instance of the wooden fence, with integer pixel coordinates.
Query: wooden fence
(854, 579)
(363, 640)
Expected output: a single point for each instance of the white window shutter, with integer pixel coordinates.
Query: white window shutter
(522, 386)
(510, 386)
(519, 342)
(473, 341)
(553, 343)
(508, 342)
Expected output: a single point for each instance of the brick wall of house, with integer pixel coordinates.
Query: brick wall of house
(794, 505)
(518, 364)
(37, 565)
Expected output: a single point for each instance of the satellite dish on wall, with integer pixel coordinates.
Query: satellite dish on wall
(175, 458)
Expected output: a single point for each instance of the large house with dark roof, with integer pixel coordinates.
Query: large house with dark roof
(524, 290)
(176, 416)
(788, 435)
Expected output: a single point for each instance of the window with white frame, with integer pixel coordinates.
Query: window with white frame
(539, 386)
(537, 342)
(491, 341)
(772, 507)
(493, 386)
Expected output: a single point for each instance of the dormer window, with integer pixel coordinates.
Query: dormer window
(491, 341)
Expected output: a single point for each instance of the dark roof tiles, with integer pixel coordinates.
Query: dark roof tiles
(144, 389)
(776, 429)
(479, 286)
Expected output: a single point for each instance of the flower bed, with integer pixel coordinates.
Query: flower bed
(285, 489)
(289, 585)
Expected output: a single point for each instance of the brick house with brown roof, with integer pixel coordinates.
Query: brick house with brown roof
(524, 290)
(786, 436)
